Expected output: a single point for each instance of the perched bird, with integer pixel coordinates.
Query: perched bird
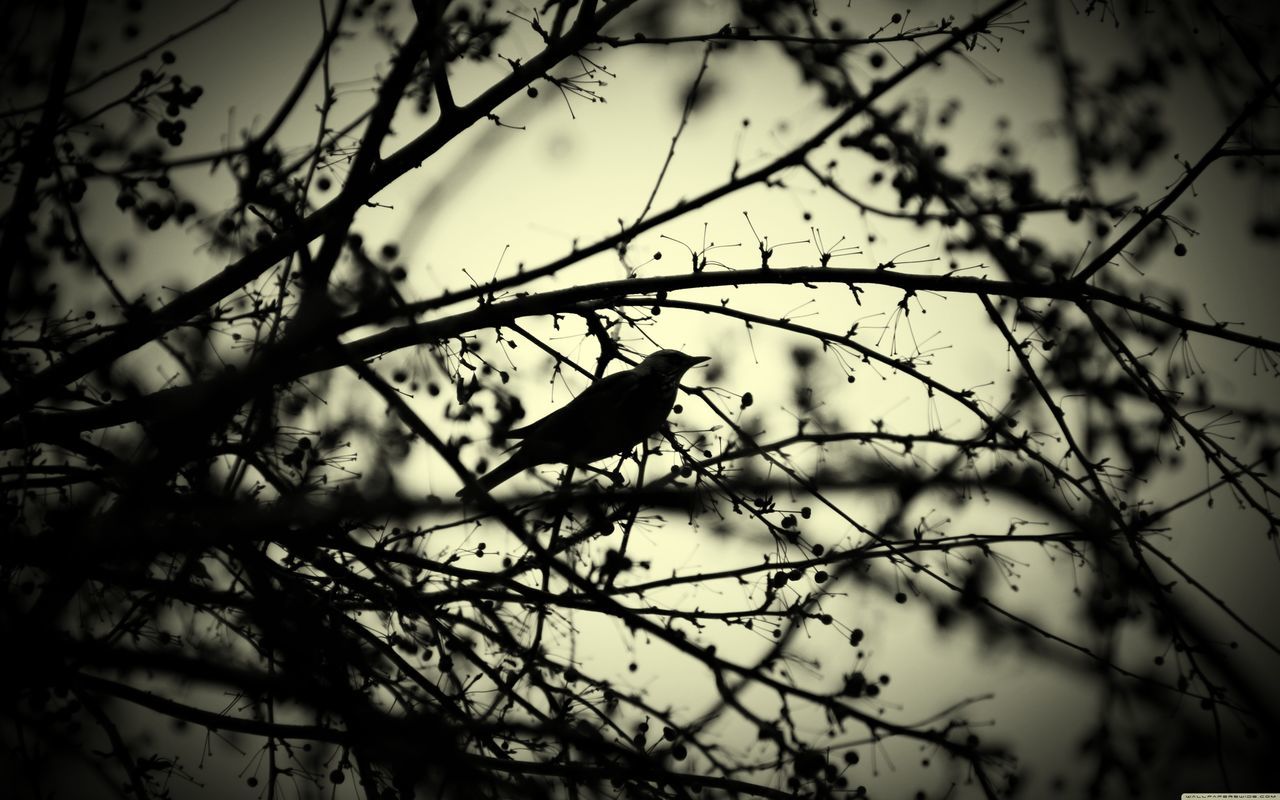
(613, 415)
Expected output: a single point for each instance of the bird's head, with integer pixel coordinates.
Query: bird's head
(669, 363)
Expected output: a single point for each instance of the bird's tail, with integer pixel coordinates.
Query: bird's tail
(506, 470)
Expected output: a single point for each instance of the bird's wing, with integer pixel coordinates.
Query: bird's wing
(600, 400)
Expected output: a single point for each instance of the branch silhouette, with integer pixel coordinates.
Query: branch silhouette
(977, 465)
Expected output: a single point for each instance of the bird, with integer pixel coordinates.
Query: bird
(610, 417)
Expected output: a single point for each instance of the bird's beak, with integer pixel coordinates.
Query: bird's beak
(695, 360)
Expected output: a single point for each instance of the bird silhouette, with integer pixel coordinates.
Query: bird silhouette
(610, 417)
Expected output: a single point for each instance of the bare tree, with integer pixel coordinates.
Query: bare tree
(974, 498)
